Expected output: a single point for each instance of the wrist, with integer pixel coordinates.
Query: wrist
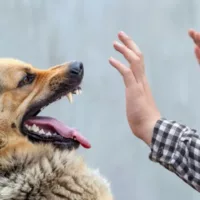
(145, 130)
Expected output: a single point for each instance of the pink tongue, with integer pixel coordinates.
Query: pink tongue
(60, 128)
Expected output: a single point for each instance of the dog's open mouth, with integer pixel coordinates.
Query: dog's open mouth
(50, 130)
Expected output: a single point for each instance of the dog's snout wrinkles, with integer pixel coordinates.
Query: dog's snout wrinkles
(76, 68)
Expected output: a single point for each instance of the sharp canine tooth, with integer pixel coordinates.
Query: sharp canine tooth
(70, 97)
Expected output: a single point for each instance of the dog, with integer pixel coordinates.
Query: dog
(38, 159)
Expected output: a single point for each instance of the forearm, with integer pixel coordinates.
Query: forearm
(177, 147)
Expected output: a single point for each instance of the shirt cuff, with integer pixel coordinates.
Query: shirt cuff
(165, 138)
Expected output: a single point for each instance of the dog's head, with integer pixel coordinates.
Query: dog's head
(24, 91)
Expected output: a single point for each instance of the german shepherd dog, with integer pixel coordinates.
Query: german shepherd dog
(38, 160)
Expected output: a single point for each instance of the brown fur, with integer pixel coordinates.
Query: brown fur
(37, 171)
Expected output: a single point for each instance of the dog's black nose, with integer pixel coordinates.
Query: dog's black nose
(76, 68)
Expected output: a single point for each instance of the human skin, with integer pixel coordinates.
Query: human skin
(142, 112)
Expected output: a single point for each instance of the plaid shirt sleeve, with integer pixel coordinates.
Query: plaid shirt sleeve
(177, 148)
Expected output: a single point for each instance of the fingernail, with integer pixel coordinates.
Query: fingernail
(117, 43)
(111, 59)
(122, 33)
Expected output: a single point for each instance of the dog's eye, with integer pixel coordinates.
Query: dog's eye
(28, 79)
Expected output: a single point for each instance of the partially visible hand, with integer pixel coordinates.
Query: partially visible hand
(196, 38)
(141, 110)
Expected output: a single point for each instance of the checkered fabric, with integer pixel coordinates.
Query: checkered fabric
(177, 148)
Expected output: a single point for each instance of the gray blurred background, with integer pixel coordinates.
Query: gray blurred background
(49, 32)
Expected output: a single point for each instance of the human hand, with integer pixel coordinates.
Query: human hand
(141, 110)
(196, 38)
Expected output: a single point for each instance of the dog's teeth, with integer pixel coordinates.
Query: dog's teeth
(48, 134)
(35, 128)
(70, 97)
(76, 92)
(41, 131)
(80, 91)
(27, 126)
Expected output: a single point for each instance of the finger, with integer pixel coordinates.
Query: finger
(195, 36)
(191, 33)
(127, 53)
(127, 41)
(197, 53)
(127, 74)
